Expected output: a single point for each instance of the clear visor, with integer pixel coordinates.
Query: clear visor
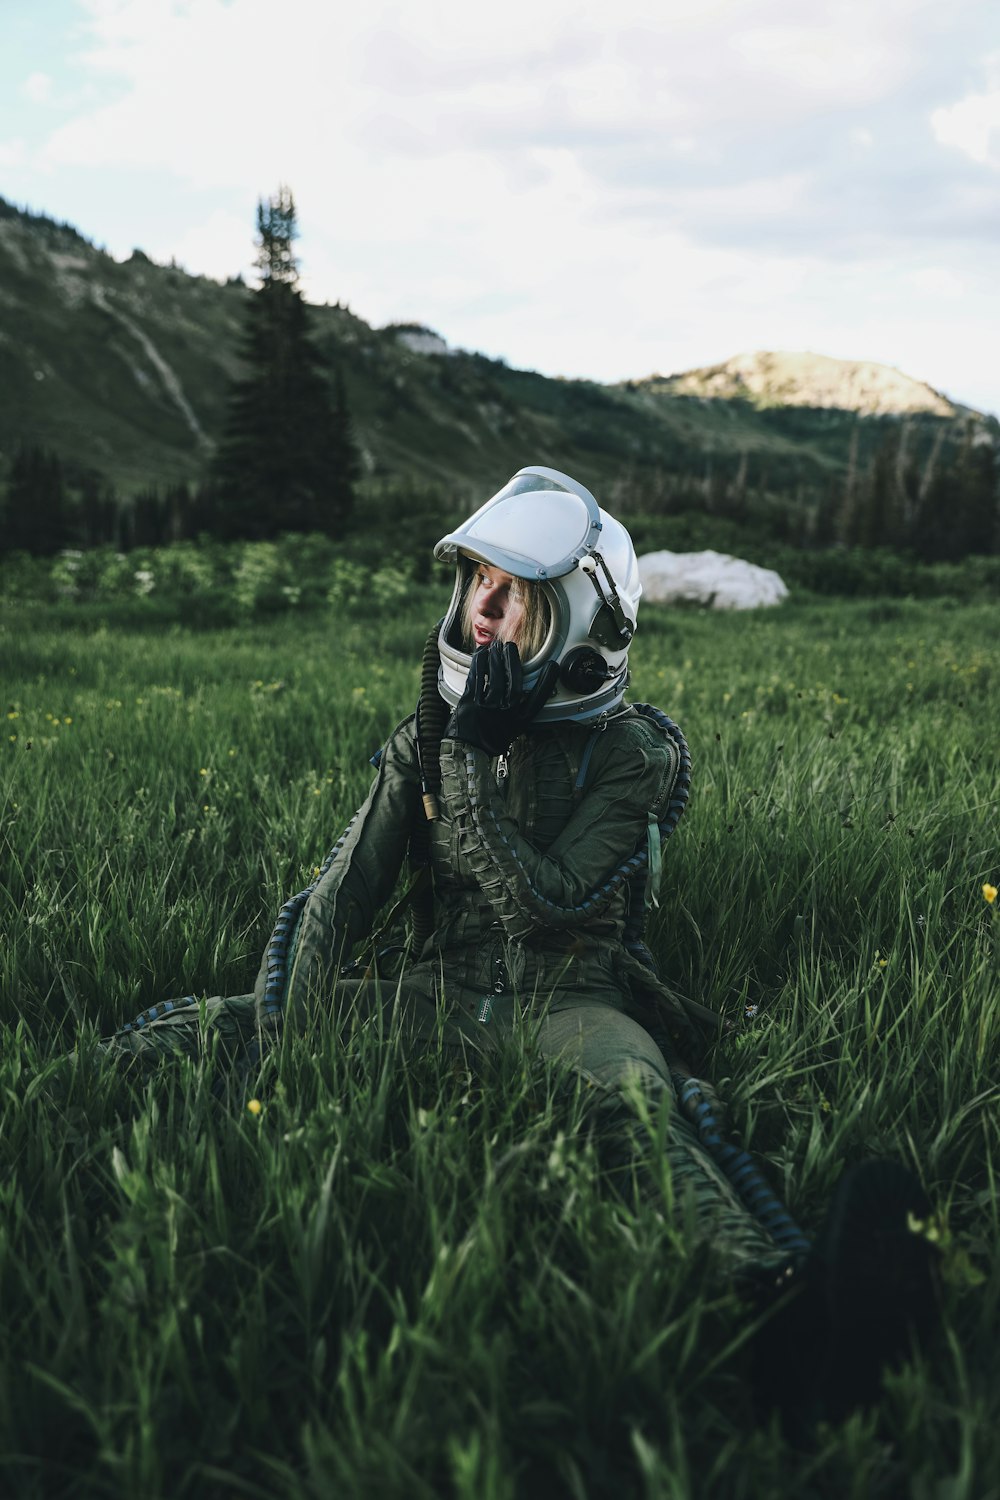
(523, 484)
(539, 509)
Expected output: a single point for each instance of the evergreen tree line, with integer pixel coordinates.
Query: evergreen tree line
(49, 506)
(940, 507)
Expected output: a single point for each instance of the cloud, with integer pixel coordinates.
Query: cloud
(938, 282)
(218, 247)
(416, 78)
(613, 192)
(718, 120)
(972, 125)
(37, 88)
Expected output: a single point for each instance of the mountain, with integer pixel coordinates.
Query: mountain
(766, 379)
(123, 367)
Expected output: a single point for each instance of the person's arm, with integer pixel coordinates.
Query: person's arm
(631, 776)
(342, 908)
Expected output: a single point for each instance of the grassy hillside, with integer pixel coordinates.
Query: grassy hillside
(123, 368)
(77, 375)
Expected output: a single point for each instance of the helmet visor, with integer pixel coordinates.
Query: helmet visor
(538, 526)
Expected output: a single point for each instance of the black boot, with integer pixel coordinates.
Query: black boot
(881, 1280)
(865, 1295)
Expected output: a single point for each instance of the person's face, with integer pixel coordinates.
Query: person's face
(497, 610)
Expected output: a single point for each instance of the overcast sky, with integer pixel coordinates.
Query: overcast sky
(603, 192)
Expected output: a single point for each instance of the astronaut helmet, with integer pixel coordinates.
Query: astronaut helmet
(548, 529)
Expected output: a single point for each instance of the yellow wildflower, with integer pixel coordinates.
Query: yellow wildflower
(989, 893)
(254, 1106)
(925, 1229)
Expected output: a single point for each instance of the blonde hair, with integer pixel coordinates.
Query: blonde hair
(530, 633)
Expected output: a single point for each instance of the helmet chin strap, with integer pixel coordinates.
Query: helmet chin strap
(609, 601)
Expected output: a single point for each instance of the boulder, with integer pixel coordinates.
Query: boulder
(709, 578)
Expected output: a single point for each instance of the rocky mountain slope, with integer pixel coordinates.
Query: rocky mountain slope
(122, 367)
(816, 380)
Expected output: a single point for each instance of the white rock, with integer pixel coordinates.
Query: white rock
(709, 578)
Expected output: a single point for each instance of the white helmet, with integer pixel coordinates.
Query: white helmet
(547, 528)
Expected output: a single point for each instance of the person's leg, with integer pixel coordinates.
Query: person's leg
(188, 1027)
(833, 1317)
(192, 1027)
(426, 1013)
(639, 1123)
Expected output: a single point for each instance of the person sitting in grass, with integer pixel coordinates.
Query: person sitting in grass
(532, 803)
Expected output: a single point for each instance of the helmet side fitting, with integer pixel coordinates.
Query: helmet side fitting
(547, 528)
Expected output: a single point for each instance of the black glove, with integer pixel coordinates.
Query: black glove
(494, 707)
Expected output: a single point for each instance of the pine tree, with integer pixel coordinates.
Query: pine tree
(35, 517)
(881, 520)
(849, 520)
(348, 466)
(959, 507)
(287, 461)
(98, 509)
(976, 522)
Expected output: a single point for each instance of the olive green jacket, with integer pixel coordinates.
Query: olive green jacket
(530, 862)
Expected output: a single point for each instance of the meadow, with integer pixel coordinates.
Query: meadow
(395, 1281)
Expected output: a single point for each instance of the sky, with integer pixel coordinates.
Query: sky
(600, 192)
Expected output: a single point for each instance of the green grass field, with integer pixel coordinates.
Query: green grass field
(389, 1283)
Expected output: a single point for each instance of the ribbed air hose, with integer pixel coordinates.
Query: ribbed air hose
(747, 1179)
(156, 1011)
(279, 944)
(432, 715)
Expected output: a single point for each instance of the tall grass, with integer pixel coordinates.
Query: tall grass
(397, 1280)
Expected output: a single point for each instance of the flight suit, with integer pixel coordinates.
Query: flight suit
(531, 858)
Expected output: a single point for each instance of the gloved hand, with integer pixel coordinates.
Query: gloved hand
(494, 708)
